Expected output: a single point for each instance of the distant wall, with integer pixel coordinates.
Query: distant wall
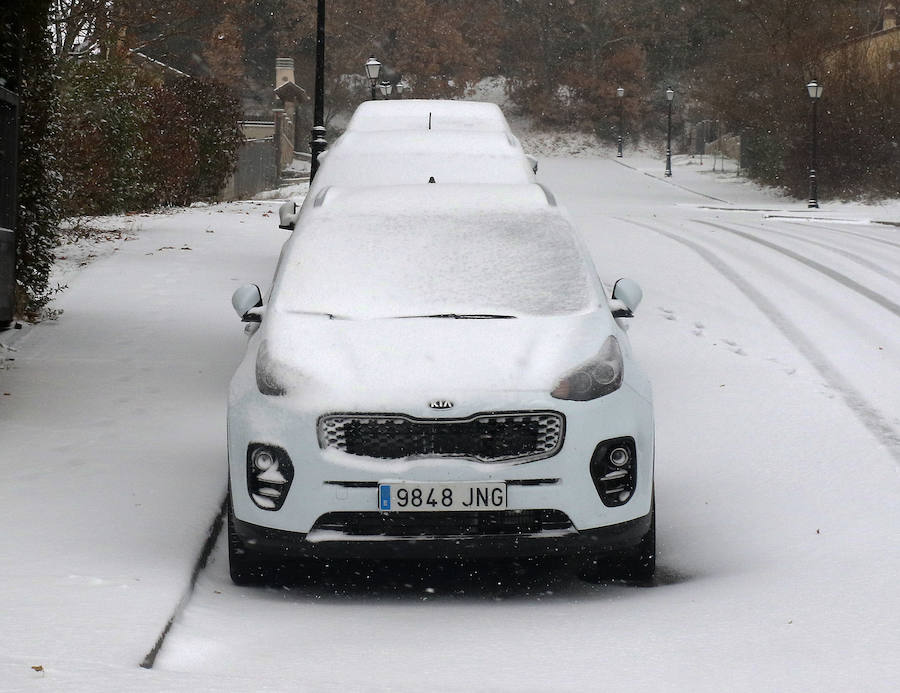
(257, 129)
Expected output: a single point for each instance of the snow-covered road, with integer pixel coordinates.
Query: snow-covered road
(772, 336)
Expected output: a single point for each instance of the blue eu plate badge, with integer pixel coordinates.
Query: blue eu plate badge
(385, 499)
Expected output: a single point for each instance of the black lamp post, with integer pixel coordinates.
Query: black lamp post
(373, 69)
(620, 92)
(814, 89)
(386, 88)
(669, 96)
(318, 143)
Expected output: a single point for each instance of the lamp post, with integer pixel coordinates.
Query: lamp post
(373, 69)
(669, 96)
(386, 88)
(814, 89)
(318, 143)
(620, 92)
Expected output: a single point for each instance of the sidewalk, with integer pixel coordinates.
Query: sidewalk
(112, 422)
(727, 190)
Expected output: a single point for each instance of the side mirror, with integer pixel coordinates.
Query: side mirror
(287, 216)
(533, 162)
(245, 300)
(626, 297)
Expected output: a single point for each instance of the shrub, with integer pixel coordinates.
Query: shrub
(26, 63)
(104, 158)
(214, 112)
(132, 145)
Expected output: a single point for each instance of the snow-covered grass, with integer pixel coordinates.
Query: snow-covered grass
(771, 335)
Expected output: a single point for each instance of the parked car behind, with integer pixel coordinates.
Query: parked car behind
(437, 372)
(411, 142)
(430, 114)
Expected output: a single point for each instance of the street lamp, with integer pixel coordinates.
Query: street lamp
(401, 87)
(669, 96)
(386, 88)
(318, 143)
(814, 89)
(373, 69)
(620, 92)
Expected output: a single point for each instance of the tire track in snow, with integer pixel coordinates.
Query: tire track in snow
(669, 182)
(843, 279)
(868, 415)
(846, 232)
(859, 259)
(212, 536)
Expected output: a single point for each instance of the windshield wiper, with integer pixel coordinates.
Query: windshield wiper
(330, 316)
(464, 316)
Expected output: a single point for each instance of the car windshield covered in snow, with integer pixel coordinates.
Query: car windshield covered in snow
(477, 264)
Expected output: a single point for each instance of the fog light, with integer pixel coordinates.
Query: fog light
(269, 475)
(263, 460)
(619, 457)
(614, 471)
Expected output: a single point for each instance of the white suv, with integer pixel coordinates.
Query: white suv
(437, 372)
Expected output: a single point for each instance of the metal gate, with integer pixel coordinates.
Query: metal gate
(9, 145)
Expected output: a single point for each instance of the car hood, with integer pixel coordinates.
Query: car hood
(432, 356)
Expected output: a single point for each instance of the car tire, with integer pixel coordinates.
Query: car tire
(247, 566)
(637, 564)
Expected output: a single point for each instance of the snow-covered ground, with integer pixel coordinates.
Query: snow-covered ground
(771, 333)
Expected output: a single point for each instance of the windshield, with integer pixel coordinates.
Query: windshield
(482, 265)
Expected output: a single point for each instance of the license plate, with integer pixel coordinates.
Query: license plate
(413, 497)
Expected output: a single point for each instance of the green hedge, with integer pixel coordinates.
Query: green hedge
(130, 144)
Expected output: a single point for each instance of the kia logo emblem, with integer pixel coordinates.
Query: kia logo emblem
(441, 404)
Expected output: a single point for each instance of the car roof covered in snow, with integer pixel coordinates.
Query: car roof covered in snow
(425, 114)
(403, 157)
(460, 200)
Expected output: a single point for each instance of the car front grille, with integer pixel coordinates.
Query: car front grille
(492, 437)
(449, 524)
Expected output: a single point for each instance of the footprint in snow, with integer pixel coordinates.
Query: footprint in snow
(734, 347)
(667, 313)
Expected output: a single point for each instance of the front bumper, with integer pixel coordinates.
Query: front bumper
(285, 545)
(328, 481)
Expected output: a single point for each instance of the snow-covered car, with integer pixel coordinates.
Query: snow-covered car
(431, 114)
(437, 372)
(415, 156)
(417, 141)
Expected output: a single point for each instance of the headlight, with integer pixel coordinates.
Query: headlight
(594, 378)
(266, 380)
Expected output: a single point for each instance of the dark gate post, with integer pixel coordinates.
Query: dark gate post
(318, 143)
(9, 146)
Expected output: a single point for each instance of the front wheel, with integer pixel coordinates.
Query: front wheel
(636, 564)
(246, 565)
